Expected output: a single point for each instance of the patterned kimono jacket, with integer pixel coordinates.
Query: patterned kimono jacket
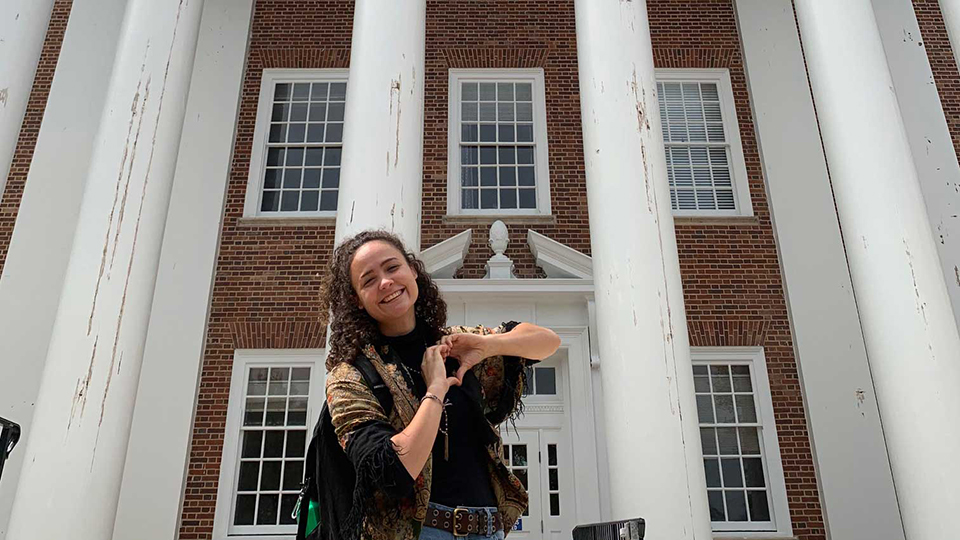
(353, 405)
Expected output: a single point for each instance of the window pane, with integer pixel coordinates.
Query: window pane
(507, 133)
(278, 133)
(741, 378)
(275, 408)
(525, 112)
(505, 112)
(468, 112)
(468, 91)
(273, 447)
(311, 179)
(525, 176)
(469, 176)
(328, 201)
(469, 132)
(488, 176)
(267, 511)
(552, 456)
(753, 472)
(251, 444)
(290, 200)
(727, 441)
(759, 509)
(505, 91)
(296, 443)
(554, 504)
(338, 91)
(546, 380)
(270, 476)
(554, 479)
(528, 198)
(334, 133)
(335, 112)
(253, 412)
(246, 505)
(249, 472)
(525, 155)
(318, 112)
(488, 133)
(469, 155)
(521, 475)
(297, 416)
(318, 92)
(315, 133)
(488, 112)
(298, 112)
(749, 441)
(508, 198)
(746, 413)
(736, 506)
(488, 91)
(711, 469)
(524, 132)
(724, 405)
(301, 92)
(470, 199)
(524, 92)
(488, 155)
(281, 92)
(519, 455)
(731, 472)
(715, 499)
(705, 409)
(508, 176)
(488, 198)
(708, 441)
(292, 475)
(331, 178)
(331, 158)
(287, 504)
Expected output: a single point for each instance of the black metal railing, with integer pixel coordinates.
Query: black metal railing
(628, 529)
(9, 436)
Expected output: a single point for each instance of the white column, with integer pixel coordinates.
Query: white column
(950, 9)
(74, 454)
(23, 28)
(908, 326)
(653, 440)
(382, 163)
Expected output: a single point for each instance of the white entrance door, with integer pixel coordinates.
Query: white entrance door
(521, 451)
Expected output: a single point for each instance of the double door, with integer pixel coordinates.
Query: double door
(541, 459)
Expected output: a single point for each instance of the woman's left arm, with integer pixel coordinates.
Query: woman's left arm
(525, 340)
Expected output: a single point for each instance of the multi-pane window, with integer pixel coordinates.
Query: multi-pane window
(541, 381)
(553, 479)
(732, 448)
(515, 456)
(703, 154)
(498, 133)
(298, 144)
(272, 448)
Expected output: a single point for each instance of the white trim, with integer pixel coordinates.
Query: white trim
(533, 75)
(251, 203)
(486, 287)
(558, 260)
(779, 509)
(242, 360)
(731, 129)
(444, 259)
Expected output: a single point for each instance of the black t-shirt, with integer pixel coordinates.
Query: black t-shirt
(463, 479)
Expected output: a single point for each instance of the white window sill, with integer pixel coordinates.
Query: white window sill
(287, 221)
(715, 220)
(546, 219)
(759, 535)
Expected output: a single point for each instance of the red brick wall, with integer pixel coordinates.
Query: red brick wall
(267, 275)
(942, 63)
(732, 284)
(33, 116)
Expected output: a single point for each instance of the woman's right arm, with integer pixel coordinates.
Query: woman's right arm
(415, 442)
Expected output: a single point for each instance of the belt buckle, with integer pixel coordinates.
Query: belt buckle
(455, 533)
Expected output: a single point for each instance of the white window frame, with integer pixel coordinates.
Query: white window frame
(258, 152)
(779, 508)
(731, 130)
(542, 165)
(243, 360)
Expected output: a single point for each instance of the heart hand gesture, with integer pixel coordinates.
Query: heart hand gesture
(468, 349)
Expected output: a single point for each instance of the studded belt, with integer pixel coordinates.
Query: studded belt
(462, 521)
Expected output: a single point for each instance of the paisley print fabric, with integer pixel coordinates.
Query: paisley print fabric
(352, 404)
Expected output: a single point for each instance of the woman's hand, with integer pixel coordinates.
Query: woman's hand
(468, 349)
(435, 373)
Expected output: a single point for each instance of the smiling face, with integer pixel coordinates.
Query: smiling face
(386, 286)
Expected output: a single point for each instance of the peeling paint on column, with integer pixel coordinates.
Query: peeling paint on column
(83, 386)
(4, 93)
(395, 88)
(126, 187)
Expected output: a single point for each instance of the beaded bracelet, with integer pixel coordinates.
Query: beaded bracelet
(428, 395)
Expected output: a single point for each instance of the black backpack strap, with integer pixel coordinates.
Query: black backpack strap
(375, 382)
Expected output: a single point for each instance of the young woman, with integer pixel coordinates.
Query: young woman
(433, 467)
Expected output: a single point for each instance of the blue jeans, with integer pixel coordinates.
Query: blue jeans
(429, 533)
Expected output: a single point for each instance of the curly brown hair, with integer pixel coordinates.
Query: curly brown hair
(352, 328)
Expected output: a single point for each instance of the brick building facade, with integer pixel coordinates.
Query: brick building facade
(263, 294)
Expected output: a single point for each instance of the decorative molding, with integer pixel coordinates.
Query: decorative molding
(278, 335)
(558, 260)
(300, 58)
(495, 58)
(442, 260)
(499, 266)
(487, 287)
(542, 409)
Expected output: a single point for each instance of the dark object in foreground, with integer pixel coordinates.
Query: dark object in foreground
(628, 529)
(9, 436)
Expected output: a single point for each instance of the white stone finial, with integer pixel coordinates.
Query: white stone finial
(499, 266)
(499, 237)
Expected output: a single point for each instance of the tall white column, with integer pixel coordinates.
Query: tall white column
(950, 9)
(23, 27)
(74, 454)
(908, 326)
(653, 439)
(382, 163)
